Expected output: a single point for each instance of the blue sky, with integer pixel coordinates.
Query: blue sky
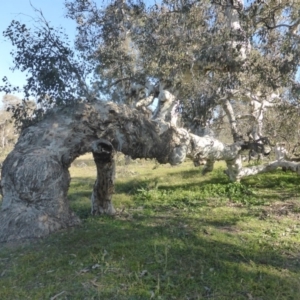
(21, 10)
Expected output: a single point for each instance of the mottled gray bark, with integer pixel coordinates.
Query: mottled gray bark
(103, 190)
(35, 177)
(34, 186)
(284, 164)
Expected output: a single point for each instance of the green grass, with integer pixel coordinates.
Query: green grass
(177, 235)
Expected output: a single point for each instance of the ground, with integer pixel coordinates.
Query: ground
(176, 235)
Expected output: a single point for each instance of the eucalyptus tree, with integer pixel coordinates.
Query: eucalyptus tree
(212, 55)
(207, 51)
(199, 59)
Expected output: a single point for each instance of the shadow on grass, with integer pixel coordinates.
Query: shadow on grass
(252, 191)
(276, 180)
(161, 251)
(130, 186)
(169, 257)
(273, 178)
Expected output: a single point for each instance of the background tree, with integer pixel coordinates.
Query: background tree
(206, 53)
(209, 52)
(8, 132)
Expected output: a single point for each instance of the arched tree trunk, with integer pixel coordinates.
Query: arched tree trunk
(35, 177)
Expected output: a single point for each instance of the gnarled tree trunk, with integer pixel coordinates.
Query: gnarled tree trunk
(35, 177)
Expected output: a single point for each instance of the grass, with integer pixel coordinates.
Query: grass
(177, 235)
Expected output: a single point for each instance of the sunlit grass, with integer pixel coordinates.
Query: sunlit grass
(177, 235)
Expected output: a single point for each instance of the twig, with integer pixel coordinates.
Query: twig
(54, 297)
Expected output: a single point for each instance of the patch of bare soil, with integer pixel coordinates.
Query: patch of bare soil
(289, 208)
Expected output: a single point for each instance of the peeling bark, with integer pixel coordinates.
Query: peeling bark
(35, 177)
(231, 116)
(287, 165)
(34, 187)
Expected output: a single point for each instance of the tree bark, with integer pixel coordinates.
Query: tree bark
(34, 187)
(284, 164)
(35, 177)
(103, 153)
